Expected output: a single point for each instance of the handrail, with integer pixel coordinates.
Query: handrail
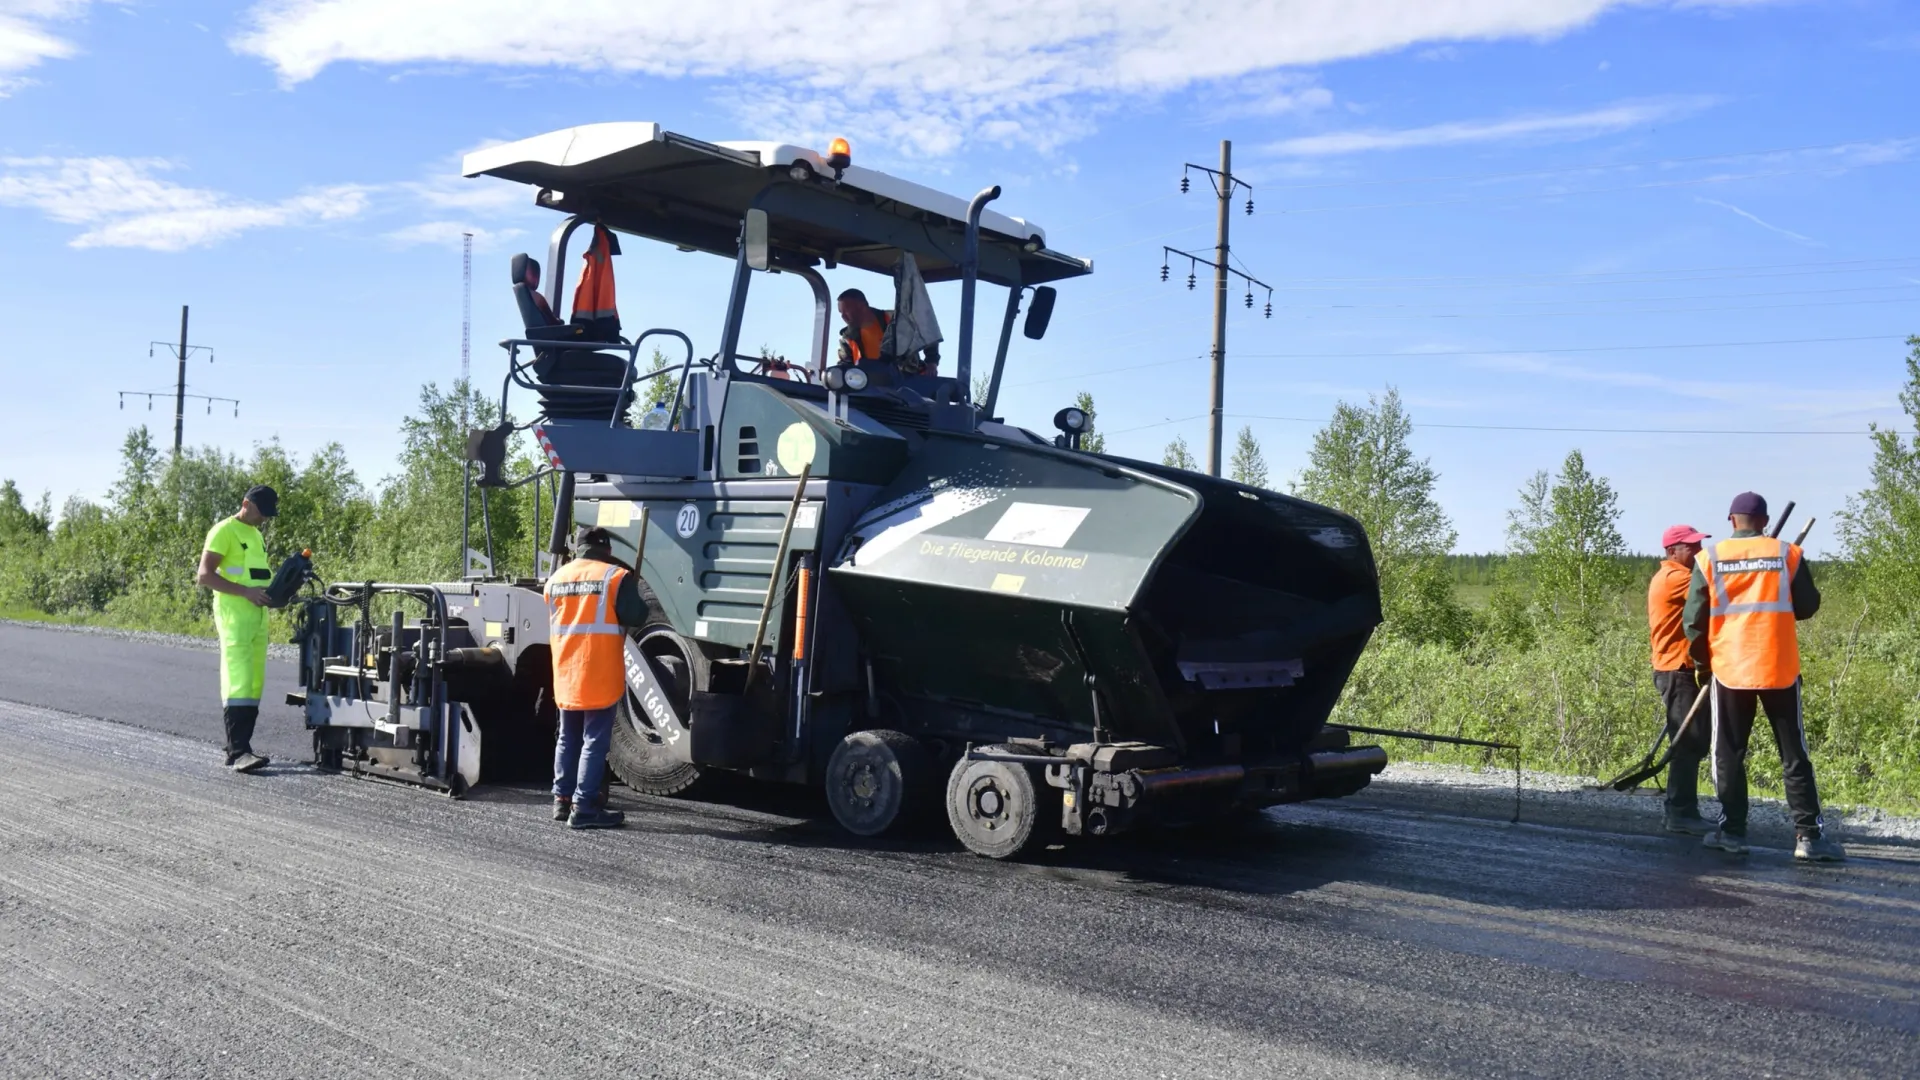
(518, 374)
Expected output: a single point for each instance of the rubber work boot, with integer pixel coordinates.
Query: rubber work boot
(250, 762)
(562, 808)
(1817, 848)
(587, 817)
(1685, 822)
(1722, 840)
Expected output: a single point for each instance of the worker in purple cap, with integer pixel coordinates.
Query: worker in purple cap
(1746, 595)
(1677, 678)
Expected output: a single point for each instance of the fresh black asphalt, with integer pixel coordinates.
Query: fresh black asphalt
(162, 917)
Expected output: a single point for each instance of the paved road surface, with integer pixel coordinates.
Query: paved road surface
(161, 917)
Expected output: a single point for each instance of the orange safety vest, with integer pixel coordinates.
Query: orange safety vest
(864, 343)
(593, 303)
(1750, 631)
(589, 646)
(1666, 601)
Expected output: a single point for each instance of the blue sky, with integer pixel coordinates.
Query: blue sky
(1516, 211)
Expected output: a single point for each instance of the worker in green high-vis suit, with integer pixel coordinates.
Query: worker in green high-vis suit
(234, 565)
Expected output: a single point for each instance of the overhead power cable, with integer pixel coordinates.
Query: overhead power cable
(1648, 186)
(1575, 349)
(1595, 168)
(1611, 299)
(1520, 427)
(1649, 311)
(1899, 260)
(1085, 375)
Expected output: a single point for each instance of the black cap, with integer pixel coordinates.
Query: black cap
(264, 499)
(594, 536)
(1748, 504)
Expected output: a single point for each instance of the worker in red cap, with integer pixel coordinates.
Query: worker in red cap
(1747, 593)
(1677, 678)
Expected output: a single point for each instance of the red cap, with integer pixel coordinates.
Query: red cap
(1681, 534)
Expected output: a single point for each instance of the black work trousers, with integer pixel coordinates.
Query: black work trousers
(1677, 691)
(239, 721)
(1733, 715)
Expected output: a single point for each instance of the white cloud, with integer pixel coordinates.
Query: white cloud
(1789, 233)
(925, 77)
(1584, 124)
(27, 37)
(123, 203)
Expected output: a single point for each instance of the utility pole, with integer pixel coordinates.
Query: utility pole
(1217, 412)
(180, 386)
(180, 394)
(1224, 186)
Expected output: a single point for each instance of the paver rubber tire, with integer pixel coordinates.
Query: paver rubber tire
(875, 779)
(994, 807)
(638, 754)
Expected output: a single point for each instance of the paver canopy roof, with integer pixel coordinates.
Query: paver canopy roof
(638, 178)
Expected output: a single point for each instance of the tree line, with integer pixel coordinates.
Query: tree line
(1548, 647)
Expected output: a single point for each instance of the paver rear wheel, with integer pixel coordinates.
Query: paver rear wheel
(874, 780)
(993, 806)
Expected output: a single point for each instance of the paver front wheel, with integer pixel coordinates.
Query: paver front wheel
(873, 780)
(993, 806)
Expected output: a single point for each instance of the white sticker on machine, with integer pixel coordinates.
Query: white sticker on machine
(807, 517)
(1039, 524)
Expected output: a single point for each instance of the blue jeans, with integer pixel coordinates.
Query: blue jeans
(580, 755)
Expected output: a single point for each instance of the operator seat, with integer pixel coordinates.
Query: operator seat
(535, 312)
(576, 375)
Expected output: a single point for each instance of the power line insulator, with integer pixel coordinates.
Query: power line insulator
(1183, 183)
(1190, 280)
(1249, 299)
(1163, 271)
(1269, 309)
(1249, 206)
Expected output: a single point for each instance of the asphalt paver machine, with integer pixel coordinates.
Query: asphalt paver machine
(859, 576)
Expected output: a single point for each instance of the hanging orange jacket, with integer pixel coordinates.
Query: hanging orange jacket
(593, 302)
(1750, 627)
(589, 646)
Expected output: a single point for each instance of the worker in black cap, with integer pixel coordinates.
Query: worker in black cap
(591, 602)
(233, 563)
(1748, 592)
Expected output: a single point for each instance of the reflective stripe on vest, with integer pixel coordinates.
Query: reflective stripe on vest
(589, 645)
(1750, 626)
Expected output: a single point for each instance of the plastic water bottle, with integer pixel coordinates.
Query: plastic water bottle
(656, 418)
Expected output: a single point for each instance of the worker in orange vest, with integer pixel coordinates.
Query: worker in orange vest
(865, 329)
(1677, 678)
(1746, 594)
(590, 601)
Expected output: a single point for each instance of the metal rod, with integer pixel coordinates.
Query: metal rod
(640, 543)
(1781, 523)
(180, 386)
(773, 576)
(969, 283)
(1000, 354)
(1423, 736)
(562, 514)
(736, 305)
(466, 515)
(1217, 413)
